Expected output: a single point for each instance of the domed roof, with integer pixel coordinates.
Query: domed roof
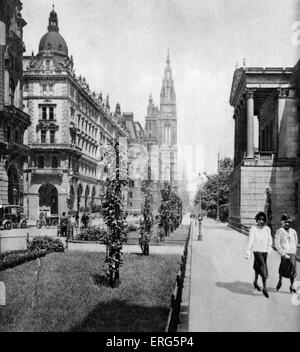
(53, 41)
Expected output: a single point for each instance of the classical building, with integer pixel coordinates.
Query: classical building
(70, 124)
(161, 136)
(266, 172)
(13, 121)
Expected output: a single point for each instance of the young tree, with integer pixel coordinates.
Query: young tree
(115, 220)
(170, 210)
(148, 219)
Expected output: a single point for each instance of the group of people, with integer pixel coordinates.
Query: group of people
(260, 243)
(65, 221)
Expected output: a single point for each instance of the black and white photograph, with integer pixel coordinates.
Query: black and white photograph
(149, 168)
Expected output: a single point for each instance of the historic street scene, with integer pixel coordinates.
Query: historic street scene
(149, 166)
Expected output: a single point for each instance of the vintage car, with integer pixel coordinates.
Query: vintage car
(12, 216)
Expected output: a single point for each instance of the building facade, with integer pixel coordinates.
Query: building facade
(161, 136)
(266, 172)
(70, 126)
(13, 121)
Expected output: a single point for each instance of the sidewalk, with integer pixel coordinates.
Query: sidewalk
(221, 290)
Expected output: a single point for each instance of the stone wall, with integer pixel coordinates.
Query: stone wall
(253, 182)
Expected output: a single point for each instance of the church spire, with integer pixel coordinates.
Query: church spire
(53, 21)
(168, 59)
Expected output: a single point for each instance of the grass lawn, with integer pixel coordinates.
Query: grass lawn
(71, 294)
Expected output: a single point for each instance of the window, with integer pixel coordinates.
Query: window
(47, 112)
(167, 134)
(130, 194)
(52, 136)
(47, 64)
(17, 136)
(11, 92)
(55, 162)
(41, 162)
(43, 136)
(44, 112)
(51, 113)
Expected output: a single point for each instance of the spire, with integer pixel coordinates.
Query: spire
(107, 103)
(53, 21)
(168, 58)
(150, 99)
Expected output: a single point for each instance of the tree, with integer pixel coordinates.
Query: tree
(148, 219)
(170, 210)
(115, 220)
(215, 191)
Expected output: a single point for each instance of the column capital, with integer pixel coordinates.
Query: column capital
(283, 93)
(249, 93)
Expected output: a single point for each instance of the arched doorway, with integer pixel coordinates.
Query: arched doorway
(13, 186)
(72, 197)
(48, 197)
(86, 196)
(79, 193)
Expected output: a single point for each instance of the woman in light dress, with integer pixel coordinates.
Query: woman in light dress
(260, 243)
(286, 240)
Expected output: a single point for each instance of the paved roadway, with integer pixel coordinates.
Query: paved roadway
(222, 296)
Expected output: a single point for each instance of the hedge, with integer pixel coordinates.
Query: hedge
(13, 258)
(46, 243)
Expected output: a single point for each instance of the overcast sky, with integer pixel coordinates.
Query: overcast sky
(120, 46)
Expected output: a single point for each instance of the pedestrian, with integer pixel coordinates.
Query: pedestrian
(64, 222)
(77, 219)
(286, 240)
(260, 243)
(85, 220)
(42, 217)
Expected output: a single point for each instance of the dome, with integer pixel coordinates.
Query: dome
(53, 41)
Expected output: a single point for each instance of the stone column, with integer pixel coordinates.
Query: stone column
(250, 123)
(281, 136)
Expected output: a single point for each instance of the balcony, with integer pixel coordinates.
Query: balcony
(11, 112)
(46, 171)
(55, 145)
(264, 158)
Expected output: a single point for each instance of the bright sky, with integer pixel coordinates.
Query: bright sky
(120, 46)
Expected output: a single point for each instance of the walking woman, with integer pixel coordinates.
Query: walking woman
(260, 243)
(286, 240)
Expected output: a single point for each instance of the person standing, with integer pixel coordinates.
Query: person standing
(260, 243)
(286, 240)
(85, 220)
(64, 222)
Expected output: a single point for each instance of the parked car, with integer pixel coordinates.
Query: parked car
(12, 216)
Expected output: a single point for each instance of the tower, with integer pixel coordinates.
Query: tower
(167, 122)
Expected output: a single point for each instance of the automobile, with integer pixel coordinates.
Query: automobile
(12, 216)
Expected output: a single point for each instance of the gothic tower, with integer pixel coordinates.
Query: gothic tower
(167, 136)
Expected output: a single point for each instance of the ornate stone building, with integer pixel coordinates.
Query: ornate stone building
(70, 124)
(266, 172)
(13, 121)
(161, 136)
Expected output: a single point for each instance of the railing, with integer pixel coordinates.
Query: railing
(174, 312)
(265, 157)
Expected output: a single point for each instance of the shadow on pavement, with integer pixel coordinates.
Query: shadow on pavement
(245, 288)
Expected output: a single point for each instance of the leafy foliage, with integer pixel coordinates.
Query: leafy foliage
(115, 220)
(13, 258)
(46, 243)
(147, 219)
(216, 189)
(170, 210)
(93, 233)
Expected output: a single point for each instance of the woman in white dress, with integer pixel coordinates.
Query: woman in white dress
(260, 243)
(286, 240)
